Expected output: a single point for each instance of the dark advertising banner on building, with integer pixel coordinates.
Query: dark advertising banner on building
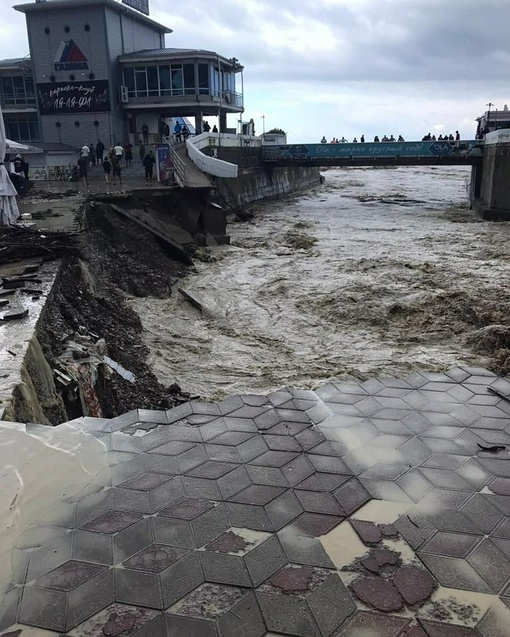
(73, 97)
(139, 5)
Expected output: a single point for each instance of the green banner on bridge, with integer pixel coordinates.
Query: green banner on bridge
(315, 152)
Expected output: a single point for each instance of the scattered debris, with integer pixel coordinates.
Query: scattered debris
(19, 243)
(492, 448)
(119, 369)
(193, 300)
(15, 316)
(496, 392)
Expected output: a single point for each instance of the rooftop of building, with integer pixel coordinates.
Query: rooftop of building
(116, 5)
(177, 52)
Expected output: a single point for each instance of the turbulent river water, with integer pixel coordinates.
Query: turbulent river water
(377, 271)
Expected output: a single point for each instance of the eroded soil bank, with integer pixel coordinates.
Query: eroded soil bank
(117, 258)
(377, 272)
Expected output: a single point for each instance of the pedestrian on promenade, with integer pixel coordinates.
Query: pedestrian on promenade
(83, 166)
(119, 151)
(128, 153)
(107, 168)
(145, 133)
(117, 169)
(362, 139)
(401, 139)
(206, 127)
(324, 140)
(85, 151)
(92, 154)
(376, 138)
(354, 141)
(99, 152)
(215, 129)
(148, 163)
(141, 150)
(457, 136)
(178, 131)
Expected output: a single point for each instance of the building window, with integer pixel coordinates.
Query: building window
(141, 81)
(165, 80)
(129, 80)
(177, 80)
(152, 81)
(189, 79)
(18, 90)
(203, 79)
(22, 129)
(165, 86)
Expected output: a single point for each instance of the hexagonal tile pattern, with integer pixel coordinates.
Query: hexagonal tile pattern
(212, 521)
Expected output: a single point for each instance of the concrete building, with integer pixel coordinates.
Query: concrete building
(99, 69)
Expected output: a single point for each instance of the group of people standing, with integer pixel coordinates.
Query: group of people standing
(112, 161)
(343, 140)
(427, 138)
(442, 138)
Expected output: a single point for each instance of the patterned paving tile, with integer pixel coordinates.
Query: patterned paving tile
(454, 573)
(491, 564)
(184, 480)
(451, 544)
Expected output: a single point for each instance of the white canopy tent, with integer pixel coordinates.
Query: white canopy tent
(16, 147)
(8, 205)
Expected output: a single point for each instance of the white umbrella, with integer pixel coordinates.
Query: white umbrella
(8, 206)
(16, 147)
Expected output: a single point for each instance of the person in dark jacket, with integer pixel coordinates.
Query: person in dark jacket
(99, 152)
(148, 164)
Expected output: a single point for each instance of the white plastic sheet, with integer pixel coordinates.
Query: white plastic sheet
(9, 211)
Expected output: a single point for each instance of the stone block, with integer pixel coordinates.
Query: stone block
(66, 596)
(216, 611)
(122, 621)
(242, 558)
(157, 577)
(206, 520)
(304, 601)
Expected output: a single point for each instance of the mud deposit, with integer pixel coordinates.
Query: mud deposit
(378, 271)
(117, 258)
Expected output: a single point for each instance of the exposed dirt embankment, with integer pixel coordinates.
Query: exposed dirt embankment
(117, 257)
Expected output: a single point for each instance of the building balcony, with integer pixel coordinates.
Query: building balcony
(229, 101)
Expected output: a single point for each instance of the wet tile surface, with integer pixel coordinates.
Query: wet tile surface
(214, 521)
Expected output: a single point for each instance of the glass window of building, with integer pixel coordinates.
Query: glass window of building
(22, 129)
(129, 80)
(177, 80)
(189, 79)
(164, 80)
(141, 81)
(152, 81)
(203, 79)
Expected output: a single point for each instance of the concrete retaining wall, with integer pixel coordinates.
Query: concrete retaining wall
(490, 183)
(260, 183)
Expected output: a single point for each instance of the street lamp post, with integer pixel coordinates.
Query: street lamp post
(263, 124)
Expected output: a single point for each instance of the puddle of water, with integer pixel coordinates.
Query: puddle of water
(456, 602)
(381, 511)
(343, 545)
(43, 468)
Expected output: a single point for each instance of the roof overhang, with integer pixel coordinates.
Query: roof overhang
(132, 58)
(115, 5)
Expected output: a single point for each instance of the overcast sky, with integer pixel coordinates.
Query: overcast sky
(345, 67)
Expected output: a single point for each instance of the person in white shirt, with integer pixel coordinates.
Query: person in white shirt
(119, 151)
(85, 151)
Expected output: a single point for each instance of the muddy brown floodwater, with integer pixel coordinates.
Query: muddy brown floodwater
(380, 271)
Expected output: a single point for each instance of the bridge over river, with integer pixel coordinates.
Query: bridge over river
(424, 153)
